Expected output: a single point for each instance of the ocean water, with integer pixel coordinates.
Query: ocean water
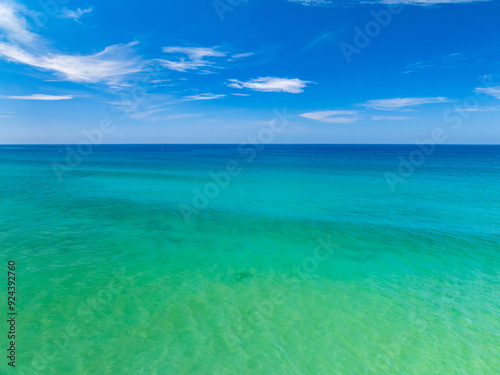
(191, 259)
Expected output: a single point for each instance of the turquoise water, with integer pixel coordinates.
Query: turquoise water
(304, 261)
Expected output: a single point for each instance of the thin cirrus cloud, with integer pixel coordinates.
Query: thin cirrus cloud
(242, 55)
(400, 103)
(331, 3)
(195, 58)
(13, 25)
(493, 91)
(37, 97)
(271, 84)
(7, 114)
(111, 66)
(478, 109)
(426, 2)
(208, 96)
(74, 14)
(154, 115)
(182, 115)
(333, 117)
(144, 114)
(391, 118)
(320, 2)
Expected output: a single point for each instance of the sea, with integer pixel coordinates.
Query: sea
(251, 259)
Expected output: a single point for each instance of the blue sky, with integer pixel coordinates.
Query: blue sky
(195, 71)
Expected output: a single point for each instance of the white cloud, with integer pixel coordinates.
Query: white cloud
(152, 117)
(208, 96)
(397, 103)
(110, 66)
(238, 94)
(269, 84)
(180, 66)
(316, 2)
(37, 97)
(335, 117)
(159, 81)
(425, 2)
(195, 58)
(13, 24)
(493, 91)
(242, 55)
(478, 109)
(331, 3)
(74, 14)
(182, 115)
(194, 53)
(391, 118)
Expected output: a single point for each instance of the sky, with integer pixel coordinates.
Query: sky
(229, 71)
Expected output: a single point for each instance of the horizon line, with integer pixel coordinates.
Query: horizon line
(249, 144)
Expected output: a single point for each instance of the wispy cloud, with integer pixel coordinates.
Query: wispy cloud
(335, 117)
(425, 2)
(315, 2)
(335, 3)
(269, 84)
(110, 66)
(13, 24)
(448, 61)
(182, 115)
(478, 109)
(493, 91)
(194, 53)
(74, 14)
(180, 66)
(37, 97)
(325, 37)
(155, 116)
(208, 96)
(242, 55)
(398, 103)
(144, 114)
(196, 58)
(391, 118)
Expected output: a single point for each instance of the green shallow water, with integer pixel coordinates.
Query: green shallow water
(298, 266)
